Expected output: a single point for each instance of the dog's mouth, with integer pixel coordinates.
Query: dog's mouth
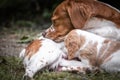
(53, 37)
(59, 39)
(75, 58)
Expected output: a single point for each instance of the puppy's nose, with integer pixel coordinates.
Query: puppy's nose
(43, 33)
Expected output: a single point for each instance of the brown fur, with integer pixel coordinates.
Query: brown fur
(32, 48)
(71, 14)
(73, 42)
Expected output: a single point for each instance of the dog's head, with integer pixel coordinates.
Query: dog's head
(73, 14)
(70, 14)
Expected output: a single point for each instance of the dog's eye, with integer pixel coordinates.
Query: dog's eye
(60, 35)
(54, 22)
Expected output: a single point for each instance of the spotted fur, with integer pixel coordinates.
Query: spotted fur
(95, 51)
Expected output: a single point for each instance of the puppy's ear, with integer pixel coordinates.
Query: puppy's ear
(79, 12)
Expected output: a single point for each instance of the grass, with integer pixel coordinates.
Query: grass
(12, 69)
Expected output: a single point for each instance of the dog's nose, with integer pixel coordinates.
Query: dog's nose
(43, 33)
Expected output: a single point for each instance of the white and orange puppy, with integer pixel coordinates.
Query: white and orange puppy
(93, 50)
(45, 52)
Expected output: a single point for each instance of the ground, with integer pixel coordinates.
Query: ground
(14, 39)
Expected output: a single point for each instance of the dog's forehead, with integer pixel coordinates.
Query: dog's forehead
(60, 8)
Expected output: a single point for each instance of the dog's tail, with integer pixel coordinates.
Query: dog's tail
(22, 54)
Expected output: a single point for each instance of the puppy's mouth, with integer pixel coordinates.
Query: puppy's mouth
(77, 59)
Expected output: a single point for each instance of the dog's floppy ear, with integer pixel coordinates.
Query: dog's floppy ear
(79, 12)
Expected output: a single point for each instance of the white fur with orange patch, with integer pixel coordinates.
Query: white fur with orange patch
(96, 51)
(50, 54)
(47, 53)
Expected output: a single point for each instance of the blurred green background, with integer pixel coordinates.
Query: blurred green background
(13, 10)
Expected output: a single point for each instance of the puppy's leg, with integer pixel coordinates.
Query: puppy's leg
(72, 65)
(33, 67)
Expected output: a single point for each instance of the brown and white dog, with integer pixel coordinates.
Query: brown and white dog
(93, 50)
(43, 53)
(90, 15)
